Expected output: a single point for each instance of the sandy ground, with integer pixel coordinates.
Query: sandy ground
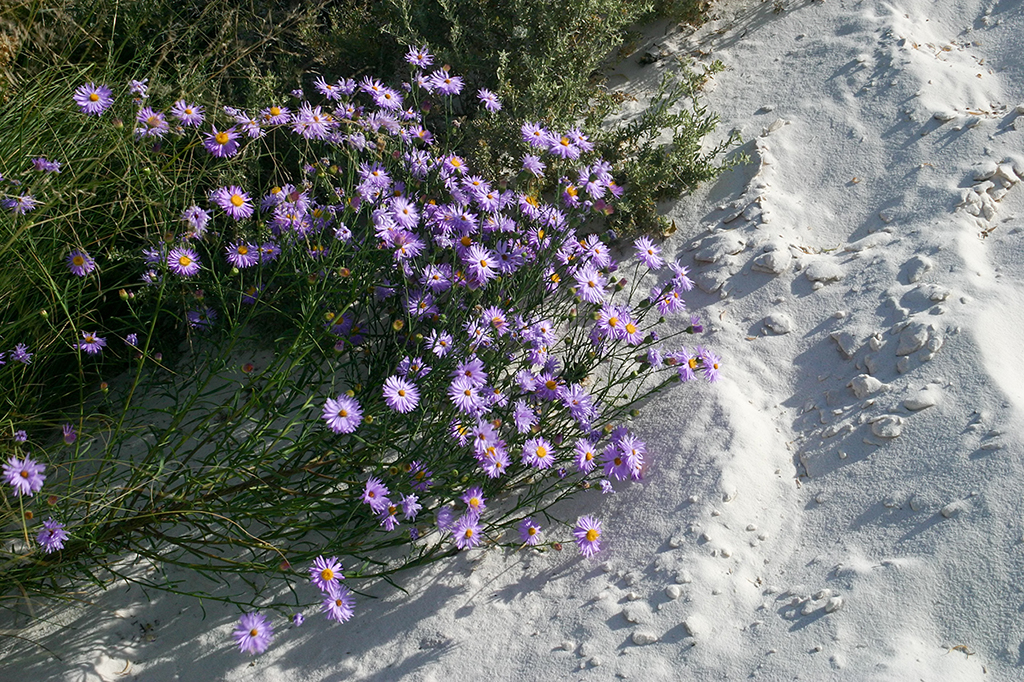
(847, 502)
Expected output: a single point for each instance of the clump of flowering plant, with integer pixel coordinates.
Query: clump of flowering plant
(387, 357)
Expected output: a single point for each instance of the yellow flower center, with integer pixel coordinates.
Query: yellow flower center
(466, 241)
(93, 97)
(613, 321)
(474, 502)
(592, 535)
(456, 162)
(630, 328)
(184, 261)
(24, 474)
(343, 413)
(78, 261)
(564, 142)
(589, 456)
(188, 111)
(327, 574)
(692, 362)
(242, 250)
(618, 461)
(401, 393)
(469, 532)
(254, 633)
(531, 531)
(555, 278)
(551, 384)
(541, 452)
(275, 111)
(236, 200)
(222, 138)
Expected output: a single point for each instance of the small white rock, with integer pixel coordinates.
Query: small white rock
(864, 385)
(920, 401)
(918, 267)
(642, 637)
(779, 323)
(952, 509)
(673, 591)
(887, 426)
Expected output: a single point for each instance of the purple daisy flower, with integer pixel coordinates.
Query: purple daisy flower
(419, 56)
(188, 114)
(91, 343)
(489, 100)
(242, 255)
(467, 531)
(401, 395)
(376, 494)
(586, 457)
(253, 633)
(201, 318)
(648, 253)
(51, 536)
(445, 83)
(20, 436)
(233, 200)
(422, 478)
(533, 164)
(298, 619)
(80, 263)
(529, 532)
(465, 395)
(686, 364)
(710, 364)
(183, 261)
(223, 143)
(21, 354)
(151, 123)
(44, 165)
(93, 99)
(24, 475)
(276, 115)
(474, 499)
(21, 204)
(410, 507)
(325, 573)
(69, 434)
(539, 453)
(535, 135)
(342, 414)
(588, 535)
(339, 604)
(132, 340)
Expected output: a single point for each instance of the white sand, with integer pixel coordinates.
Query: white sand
(846, 503)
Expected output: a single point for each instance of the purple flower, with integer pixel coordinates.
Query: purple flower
(20, 436)
(80, 263)
(419, 56)
(586, 457)
(44, 165)
(197, 219)
(539, 453)
(489, 100)
(709, 362)
(440, 343)
(253, 633)
(24, 475)
(401, 395)
(376, 495)
(242, 255)
(339, 604)
(21, 204)
(467, 531)
(648, 253)
(21, 354)
(465, 395)
(223, 143)
(536, 135)
(233, 201)
(606, 487)
(422, 478)
(91, 343)
(686, 364)
(533, 164)
(93, 99)
(529, 532)
(445, 519)
(202, 318)
(474, 499)
(183, 261)
(139, 88)
(151, 123)
(276, 115)
(325, 573)
(445, 83)
(68, 431)
(51, 536)
(132, 340)
(590, 284)
(410, 507)
(588, 535)
(298, 619)
(343, 414)
(188, 114)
